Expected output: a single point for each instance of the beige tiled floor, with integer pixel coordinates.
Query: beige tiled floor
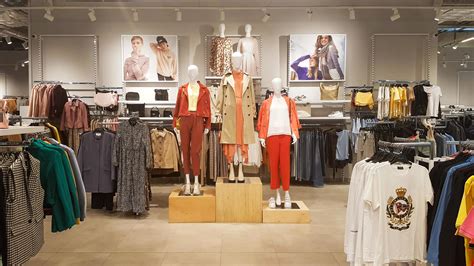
(117, 239)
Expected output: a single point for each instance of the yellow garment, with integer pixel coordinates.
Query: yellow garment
(55, 132)
(193, 95)
(464, 208)
(364, 99)
(410, 99)
(403, 102)
(394, 102)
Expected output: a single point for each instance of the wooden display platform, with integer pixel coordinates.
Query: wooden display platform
(192, 209)
(239, 202)
(298, 214)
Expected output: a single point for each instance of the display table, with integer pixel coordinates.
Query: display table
(239, 202)
(298, 214)
(192, 209)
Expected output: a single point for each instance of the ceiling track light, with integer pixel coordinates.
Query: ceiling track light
(25, 45)
(8, 39)
(179, 15)
(467, 56)
(91, 15)
(444, 65)
(309, 13)
(266, 16)
(438, 14)
(396, 15)
(135, 15)
(455, 47)
(48, 16)
(352, 14)
(222, 15)
(467, 40)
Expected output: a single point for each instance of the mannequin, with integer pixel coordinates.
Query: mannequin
(222, 30)
(277, 131)
(249, 48)
(193, 112)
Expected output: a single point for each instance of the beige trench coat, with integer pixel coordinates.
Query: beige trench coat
(226, 107)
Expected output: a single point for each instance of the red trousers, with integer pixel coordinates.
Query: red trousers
(278, 148)
(191, 132)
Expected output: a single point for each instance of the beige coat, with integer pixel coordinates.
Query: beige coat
(226, 107)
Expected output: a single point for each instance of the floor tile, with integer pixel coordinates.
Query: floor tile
(40, 259)
(134, 258)
(249, 259)
(306, 259)
(192, 259)
(79, 258)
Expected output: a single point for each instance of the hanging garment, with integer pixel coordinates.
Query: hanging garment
(165, 149)
(310, 156)
(220, 57)
(132, 155)
(23, 195)
(249, 49)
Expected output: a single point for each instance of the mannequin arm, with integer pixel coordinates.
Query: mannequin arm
(262, 142)
(294, 139)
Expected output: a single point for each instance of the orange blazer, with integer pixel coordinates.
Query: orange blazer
(203, 105)
(264, 117)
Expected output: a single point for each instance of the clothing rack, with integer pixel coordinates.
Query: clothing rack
(467, 144)
(413, 144)
(64, 82)
(391, 82)
(40, 119)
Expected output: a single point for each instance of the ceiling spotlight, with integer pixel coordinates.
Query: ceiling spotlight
(395, 15)
(309, 13)
(352, 14)
(444, 65)
(437, 15)
(26, 62)
(47, 15)
(439, 52)
(8, 39)
(179, 15)
(25, 45)
(222, 15)
(266, 16)
(91, 15)
(22, 64)
(455, 47)
(465, 65)
(467, 40)
(135, 15)
(467, 56)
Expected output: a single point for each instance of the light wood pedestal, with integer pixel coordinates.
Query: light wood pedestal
(239, 202)
(192, 209)
(298, 214)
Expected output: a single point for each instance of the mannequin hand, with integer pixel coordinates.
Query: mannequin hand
(206, 131)
(262, 142)
(293, 138)
(176, 131)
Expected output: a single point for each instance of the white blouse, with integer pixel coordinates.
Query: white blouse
(279, 123)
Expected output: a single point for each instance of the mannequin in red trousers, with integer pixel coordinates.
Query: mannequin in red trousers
(193, 116)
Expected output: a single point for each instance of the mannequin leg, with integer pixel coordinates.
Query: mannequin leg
(287, 200)
(187, 186)
(196, 189)
(241, 177)
(231, 172)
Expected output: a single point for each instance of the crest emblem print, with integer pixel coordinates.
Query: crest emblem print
(399, 210)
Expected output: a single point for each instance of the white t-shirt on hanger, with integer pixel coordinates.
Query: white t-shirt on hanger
(399, 193)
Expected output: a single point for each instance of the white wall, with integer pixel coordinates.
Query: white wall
(197, 24)
(16, 80)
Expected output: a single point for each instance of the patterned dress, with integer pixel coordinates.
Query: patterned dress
(220, 57)
(132, 154)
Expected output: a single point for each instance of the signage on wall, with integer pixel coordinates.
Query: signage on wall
(150, 58)
(317, 57)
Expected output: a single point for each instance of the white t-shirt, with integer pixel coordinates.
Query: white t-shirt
(279, 123)
(399, 193)
(434, 95)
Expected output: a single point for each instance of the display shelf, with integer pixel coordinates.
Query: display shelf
(298, 214)
(323, 103)
(148, 103)
(220, 77)
(192, 209)
(324, 118)
(149, 118)
(17, 130)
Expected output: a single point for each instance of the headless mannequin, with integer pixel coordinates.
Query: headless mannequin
(237, 66)
(193, 72)
(277, 88)
(222, 30)
(248, 30)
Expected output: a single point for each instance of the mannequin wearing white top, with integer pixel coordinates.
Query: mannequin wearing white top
(237, 66)
(193, 72)
(222, 30)
(277, 127)
(248, 46)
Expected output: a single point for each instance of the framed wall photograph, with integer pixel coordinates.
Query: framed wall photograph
(150, 58)
(317, 57)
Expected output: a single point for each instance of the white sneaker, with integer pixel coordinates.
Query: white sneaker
(287, 201)
(196, 189)
(187, 189)
(336, 114)
(278, 200)
(271, 203)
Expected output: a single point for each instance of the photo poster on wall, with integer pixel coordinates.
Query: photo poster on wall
(150, 58)
(220, 49)
(314, 57)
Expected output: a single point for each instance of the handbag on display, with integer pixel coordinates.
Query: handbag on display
(329, 92)
(155, 112)
(161, 95)
(4, 116)
(132, 96)
(105, 99)
(167, 113)
(133, 108)
(364, 99)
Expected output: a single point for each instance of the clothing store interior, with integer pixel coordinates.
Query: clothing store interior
(263, 132)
